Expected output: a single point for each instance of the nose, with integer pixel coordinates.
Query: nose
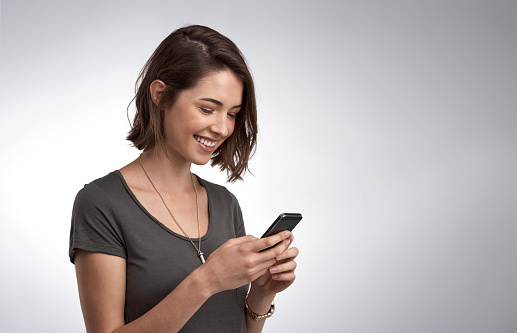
(220, 125)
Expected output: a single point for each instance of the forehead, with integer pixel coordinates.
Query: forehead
(223, 86)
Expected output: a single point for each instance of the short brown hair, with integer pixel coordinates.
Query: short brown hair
(180, 61)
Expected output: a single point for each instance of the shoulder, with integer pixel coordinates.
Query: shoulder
(112, 181)
(96, 226)
(218, 191)
(100, 191)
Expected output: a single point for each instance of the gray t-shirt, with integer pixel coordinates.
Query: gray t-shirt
(108, 218)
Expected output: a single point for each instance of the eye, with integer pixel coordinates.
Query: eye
(206, 111)
(233, 116)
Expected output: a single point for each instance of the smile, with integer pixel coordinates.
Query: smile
(204, 141)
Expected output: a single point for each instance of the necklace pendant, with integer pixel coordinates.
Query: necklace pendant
(200, 255)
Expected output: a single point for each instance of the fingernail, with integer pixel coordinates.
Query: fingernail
(275, 276)
(279, 257)
(273, 269)
(287, 233)
(288, 242)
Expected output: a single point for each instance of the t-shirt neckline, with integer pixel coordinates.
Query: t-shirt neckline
(163, 226)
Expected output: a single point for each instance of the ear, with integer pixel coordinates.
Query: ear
(157, 88)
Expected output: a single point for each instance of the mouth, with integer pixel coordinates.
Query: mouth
(205, 142)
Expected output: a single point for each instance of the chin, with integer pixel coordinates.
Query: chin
(200, 161)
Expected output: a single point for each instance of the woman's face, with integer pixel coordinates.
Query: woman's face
(203, 117)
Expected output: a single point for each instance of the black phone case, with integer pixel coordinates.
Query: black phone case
(285, 221)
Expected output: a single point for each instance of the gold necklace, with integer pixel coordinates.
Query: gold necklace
(198, 248)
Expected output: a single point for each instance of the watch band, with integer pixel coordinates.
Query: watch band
(257, 317)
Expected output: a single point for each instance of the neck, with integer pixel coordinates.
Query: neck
(167, 170)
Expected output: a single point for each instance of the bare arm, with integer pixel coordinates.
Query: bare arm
(101, 280)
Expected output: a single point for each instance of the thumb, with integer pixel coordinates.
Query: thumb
(242, 240)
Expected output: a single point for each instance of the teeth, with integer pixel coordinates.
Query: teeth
(204, 141)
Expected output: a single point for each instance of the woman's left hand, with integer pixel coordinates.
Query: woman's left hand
(279, 276)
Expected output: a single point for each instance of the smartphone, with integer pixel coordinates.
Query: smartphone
(284, 221)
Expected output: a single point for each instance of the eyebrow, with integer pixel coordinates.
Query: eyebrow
(218, 102)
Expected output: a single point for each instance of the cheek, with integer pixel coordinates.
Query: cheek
(231, 127)
(167, 128)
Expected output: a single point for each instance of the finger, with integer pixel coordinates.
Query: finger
(291, 239)
(288, 276)
(285, 267)
(263, 268)
(279, 262)
(276, 250)
(291, 252)
(265, 243)
(241, 240)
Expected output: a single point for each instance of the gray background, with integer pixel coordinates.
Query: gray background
(390, 125)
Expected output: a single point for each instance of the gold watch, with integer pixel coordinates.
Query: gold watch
(255, 316)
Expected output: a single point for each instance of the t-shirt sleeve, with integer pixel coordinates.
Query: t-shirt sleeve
(238, 219)
(95, 225)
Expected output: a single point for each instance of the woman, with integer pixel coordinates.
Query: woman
(158, 249)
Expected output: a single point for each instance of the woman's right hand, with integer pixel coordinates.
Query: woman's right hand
(239, 260)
